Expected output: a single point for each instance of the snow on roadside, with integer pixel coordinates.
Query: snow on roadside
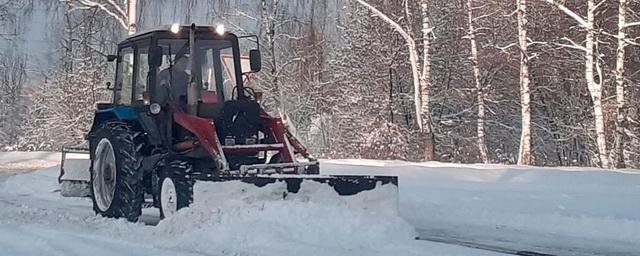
(22, 161)
(574, 209)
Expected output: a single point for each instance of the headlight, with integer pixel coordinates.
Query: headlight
(155, 108)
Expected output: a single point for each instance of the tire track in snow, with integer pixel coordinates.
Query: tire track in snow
(480, 246)
(526, 244)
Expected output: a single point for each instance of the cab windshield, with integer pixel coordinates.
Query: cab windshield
(214, 70)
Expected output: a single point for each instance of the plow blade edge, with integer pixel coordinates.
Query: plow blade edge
(344, 185)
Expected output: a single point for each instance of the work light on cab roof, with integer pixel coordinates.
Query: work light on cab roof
(220, 29)
(175, 28)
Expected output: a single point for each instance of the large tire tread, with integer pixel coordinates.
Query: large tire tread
(129, 193)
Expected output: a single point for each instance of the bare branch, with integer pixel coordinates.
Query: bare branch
(599, 4)
(92, 4)
(628, 25)
(386, 18)
(567, 11)
(572, 45)
(505, 48)
(117, 7)
(244, 14)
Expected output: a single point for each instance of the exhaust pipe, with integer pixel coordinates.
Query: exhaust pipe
(192, 89)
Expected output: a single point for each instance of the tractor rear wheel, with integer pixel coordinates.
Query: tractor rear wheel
(116, 184)
(176, 189)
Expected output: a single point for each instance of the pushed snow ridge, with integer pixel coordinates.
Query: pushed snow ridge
(247, 218)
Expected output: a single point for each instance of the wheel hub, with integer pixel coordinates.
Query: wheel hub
(104, 175)
(168, 197)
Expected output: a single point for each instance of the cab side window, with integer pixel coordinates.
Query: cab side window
(142, 73)
(124, 80)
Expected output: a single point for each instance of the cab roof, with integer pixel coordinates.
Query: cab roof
(165, 32)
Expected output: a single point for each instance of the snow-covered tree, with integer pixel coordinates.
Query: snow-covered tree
(421, 78)
(592, 70)
(60, 111)
(13, 78)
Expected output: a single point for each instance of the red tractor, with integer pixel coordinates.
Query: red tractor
(181, 114)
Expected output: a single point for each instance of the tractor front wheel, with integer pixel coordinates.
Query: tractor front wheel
(116, 182)
(176, 189)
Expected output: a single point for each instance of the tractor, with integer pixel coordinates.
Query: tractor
(181, 114)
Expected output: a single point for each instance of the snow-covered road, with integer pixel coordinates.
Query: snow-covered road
(566, 212)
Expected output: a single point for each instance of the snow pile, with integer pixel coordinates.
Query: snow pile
(242, 218)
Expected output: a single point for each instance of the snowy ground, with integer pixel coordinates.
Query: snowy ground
(566, 212)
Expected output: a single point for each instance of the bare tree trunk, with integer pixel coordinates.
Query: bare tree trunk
(620, 85)
(595, 89)
(482, 146)
(268, 22)
(68, 41)
(132, 16)
(524, 153)
(425, 85)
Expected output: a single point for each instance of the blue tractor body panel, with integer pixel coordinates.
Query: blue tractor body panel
(121, 113)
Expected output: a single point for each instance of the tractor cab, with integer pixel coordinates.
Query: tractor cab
(159, 70)
(158, 66)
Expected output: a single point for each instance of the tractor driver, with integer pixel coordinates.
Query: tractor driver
(176, 78)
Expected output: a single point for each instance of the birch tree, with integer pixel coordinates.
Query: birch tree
(592, 68)
(524, 153)
(425, 84)
(621, 112)
(482, 145)
(421, 79)
(619, 73)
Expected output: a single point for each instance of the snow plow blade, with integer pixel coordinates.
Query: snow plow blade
(344, 185)
(74, 171)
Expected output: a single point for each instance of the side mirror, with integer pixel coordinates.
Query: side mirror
(111, 57)
(255, 61)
